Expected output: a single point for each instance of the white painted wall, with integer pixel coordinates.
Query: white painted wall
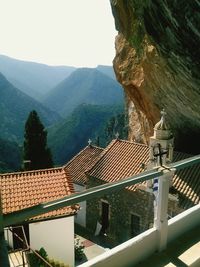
(140, 247)
(80, 217)
(183, 222)
(8, 237)
(127, 253)
(56, 237)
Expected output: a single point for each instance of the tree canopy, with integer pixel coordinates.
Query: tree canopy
(36, 151)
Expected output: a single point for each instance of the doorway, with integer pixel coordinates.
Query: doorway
(104, 216)
(135, 225)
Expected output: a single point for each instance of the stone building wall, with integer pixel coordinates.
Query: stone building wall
(122, 204)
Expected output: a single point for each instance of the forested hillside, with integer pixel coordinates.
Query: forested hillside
(90, 103)
(14, 109)
(84, 85)
(87, 121)
(34, 79)
(10, 156)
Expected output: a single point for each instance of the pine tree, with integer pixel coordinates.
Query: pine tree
(35, 144)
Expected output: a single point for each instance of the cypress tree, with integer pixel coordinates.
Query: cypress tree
(35, 144)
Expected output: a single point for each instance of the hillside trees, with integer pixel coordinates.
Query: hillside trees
(117, 125)
(68, 137)
(36, 151)
(10, 156)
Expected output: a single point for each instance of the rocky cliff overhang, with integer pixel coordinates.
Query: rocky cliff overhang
(158, 62)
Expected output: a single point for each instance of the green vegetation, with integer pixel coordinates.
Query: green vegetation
(84, 85)
(35, 261)
(10, 156)
(87, 121)
(15, 106)
(117, 125)
(87, 100)
(35, 144)
(78, 250)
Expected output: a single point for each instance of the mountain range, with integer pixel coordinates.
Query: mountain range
(86, 122)
(107, 70)
(73, 104)
(34, 79)
(15, 107)
(85, 85)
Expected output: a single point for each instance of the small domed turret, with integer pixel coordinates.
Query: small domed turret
(162, 130)
(161, 145)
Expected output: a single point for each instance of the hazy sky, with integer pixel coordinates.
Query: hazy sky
(58, 32)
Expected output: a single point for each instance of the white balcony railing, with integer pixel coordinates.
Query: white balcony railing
(144, 245)
(135, 249)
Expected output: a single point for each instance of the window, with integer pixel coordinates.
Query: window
(20, 236)
(135, 225)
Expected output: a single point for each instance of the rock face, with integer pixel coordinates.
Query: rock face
(158, 64)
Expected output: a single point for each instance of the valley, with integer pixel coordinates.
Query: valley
(74, 104)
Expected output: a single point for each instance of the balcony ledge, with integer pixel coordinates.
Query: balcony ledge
(145, 245)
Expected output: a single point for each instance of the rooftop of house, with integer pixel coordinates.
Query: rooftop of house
(84, 160)
(124, 159)
(21, 190)
(156, 239)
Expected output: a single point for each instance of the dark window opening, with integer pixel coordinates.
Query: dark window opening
(135, 225)
(104, 217)
(19, 238)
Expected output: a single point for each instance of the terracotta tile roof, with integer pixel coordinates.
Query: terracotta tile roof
(186, 182)
(120, 159)
(25, 189)
(123, 159)
(84, 160)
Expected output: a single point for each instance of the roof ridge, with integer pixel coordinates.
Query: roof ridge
(72, 159)
(132, 142)
(102, 154)
(29, 172)
(97, 147)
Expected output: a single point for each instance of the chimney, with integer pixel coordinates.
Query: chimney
(26, 165)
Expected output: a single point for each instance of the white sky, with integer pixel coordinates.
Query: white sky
(58, 32)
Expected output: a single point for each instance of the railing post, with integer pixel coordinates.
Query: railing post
(4, 262)
(161, 220)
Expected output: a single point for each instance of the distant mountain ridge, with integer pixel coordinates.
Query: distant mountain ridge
(86, 99)
(14, 110)
(32, 78)
(85, 85)
(107, 70)
(70, 135)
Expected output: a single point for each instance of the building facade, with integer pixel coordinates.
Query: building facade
(53, 231)
(122, 215)
(77, 167)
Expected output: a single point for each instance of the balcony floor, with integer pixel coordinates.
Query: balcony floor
(183, 252)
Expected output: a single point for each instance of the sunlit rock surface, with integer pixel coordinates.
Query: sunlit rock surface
(157, 62)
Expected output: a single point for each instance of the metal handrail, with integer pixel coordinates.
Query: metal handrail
(22, 215)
